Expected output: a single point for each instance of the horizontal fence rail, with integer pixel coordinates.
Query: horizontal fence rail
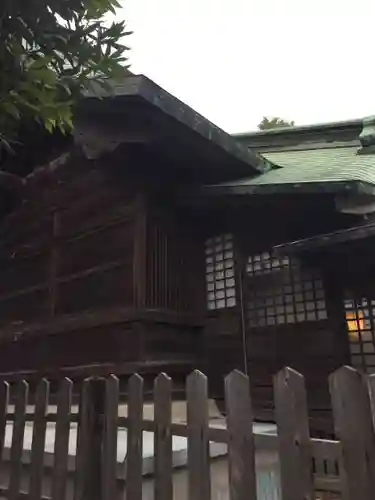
(73, 452)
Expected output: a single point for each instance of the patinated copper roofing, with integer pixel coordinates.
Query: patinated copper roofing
(327, 158)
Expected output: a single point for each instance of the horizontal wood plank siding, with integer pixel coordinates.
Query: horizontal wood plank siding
(85, 265)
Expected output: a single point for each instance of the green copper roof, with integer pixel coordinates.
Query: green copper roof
(330, 169)
(338, 164)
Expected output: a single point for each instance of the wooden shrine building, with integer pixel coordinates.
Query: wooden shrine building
(158, 242)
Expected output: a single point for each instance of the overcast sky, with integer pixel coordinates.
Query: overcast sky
(235, 61)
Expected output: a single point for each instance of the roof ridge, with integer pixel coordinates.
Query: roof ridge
(302, 128)
(298, 148)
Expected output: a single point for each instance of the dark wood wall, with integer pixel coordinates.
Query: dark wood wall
(96, 269)
(69, 248)
(315, 344)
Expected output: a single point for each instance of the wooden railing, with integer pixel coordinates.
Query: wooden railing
(308, 467)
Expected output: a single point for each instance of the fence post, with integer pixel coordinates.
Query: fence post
(38, 440)
(353, 426)
(199, 479)
(241, 448)
(91, 435)
(134, 454)
(109, 449)
(4, 400)
(17, 440)
(295, 454)
(163, 438)
(62, 434)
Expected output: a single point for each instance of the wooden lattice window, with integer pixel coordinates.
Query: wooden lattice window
(280, 292)
(220, 277)
(360, 323)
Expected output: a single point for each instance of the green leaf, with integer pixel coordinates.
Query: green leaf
(9, 107)
(44, 76)
(114, 31)
(40, 62)
(50, 125)
(52, 50)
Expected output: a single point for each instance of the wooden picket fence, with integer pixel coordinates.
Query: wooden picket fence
(307, 466)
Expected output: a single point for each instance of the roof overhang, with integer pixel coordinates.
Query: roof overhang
(318, 187)
(324, 241)
(138, 110)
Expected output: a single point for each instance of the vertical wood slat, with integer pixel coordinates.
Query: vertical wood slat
(150, 263)
(173, 265)
(241, 448)
(140, 252)
(158, 270)
(109, 460)
(154, 275)
(198, 443)
(157, 266)
(88, 476)
(171, 270)
(134, 439)
(4, 400)
(62, 435)
(38, 440)
(295, 450)
(164, 272)
(353, 426)
(17, 440)
(163, 269)
(169, 252)
(53, 265)
(163, 438)
(177, 272)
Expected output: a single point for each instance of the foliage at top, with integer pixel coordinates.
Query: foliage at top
(268, 123)
(51, 51)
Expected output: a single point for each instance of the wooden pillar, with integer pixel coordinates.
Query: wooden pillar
(240, 261)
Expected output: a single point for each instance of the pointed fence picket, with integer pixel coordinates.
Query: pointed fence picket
(38, 440)
(353, 426)
(308, 467)
(241, 448)
(163, 438)
(293, 436)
